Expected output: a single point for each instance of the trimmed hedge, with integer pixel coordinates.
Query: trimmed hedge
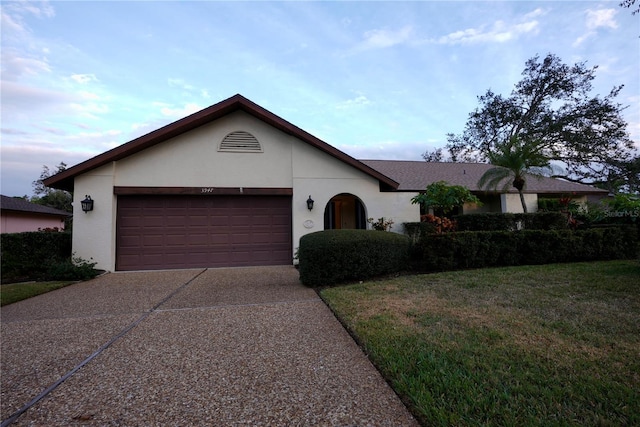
(477, 249)
(333, 256)
(28, 256)
(512, 221)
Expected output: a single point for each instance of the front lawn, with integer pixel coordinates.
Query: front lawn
(19, 291)
(533, 345)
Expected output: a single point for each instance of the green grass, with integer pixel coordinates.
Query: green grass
(19, 291)
(551, 345)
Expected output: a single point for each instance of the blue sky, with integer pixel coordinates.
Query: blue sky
(378, 80)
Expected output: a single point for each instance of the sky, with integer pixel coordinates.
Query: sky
(377, 80)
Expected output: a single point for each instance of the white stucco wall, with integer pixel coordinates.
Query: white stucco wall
(511, 202)
(94, 232)
(193, 160)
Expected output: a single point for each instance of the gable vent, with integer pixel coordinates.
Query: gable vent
(240, 141)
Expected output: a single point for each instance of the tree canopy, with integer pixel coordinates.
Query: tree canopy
(552, 108)
(46, 196)
(630, 4)
(440, 195)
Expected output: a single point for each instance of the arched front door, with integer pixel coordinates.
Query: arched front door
(345, 211)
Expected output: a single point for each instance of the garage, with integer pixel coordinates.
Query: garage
(186, 231)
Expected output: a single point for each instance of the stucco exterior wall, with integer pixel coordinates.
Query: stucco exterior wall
(20, 222)
(511, 202)
(94, 232)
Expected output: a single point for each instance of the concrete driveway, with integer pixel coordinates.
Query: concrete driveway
(237, 346)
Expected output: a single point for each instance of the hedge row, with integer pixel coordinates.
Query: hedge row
(332, 256)
(512, 221)
(477, 249)
(28, 256)
(335, 256)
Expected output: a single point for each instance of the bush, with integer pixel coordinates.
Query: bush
(512, 221)
(333, 256)
(28, 256)
(478, 249)
(42, 256)
(71, 269)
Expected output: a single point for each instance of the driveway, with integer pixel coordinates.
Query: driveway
(237, 346)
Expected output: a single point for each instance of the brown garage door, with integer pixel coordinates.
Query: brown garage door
(165, 232)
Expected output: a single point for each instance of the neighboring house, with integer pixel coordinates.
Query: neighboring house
(414, 176)
(18, 215)
(226, 186)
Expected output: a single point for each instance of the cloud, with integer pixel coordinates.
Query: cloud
(595, 19)
(179, 83)
(184, 111)
(41, 9)
(379, 39)
(601, 18)
(386, 150)
(358, 100)
(17, 64)
(499, 32)
(84, 78)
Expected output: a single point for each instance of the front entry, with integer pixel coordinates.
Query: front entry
(345, 211)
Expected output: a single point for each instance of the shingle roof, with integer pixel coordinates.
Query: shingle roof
(416, 175)
(21, 205)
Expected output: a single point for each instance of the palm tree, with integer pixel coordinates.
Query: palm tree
(514, 162)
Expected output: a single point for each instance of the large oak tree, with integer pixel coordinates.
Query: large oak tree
(552, 107)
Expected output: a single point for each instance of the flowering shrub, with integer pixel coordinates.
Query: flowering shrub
(381, 224)
(442, 225)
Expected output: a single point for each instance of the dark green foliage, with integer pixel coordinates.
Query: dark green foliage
(333, 256)
(41, 256)
(77, 269)
(444, 197)
(478, 249)
(552, 107)
(512, 221)
(27, 256)
(415, 230)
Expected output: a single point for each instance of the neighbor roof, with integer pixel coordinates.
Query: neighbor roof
(416, 175)
(65, 179)
(21, 205)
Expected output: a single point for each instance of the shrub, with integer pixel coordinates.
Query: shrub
(416, 230)
(71, 269)
(333, 256)
(512, 221)
(27, 256)
(477, 249)
(381, 224)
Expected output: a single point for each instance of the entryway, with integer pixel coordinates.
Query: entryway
(345, 211)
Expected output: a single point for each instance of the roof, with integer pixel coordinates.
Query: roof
(65, 179)
(21, 205)
(416, 175)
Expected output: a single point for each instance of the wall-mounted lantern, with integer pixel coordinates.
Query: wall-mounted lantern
(309, 202)
(87, 204)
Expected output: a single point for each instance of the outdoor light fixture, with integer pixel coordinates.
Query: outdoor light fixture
(87, 204)
(309, 202)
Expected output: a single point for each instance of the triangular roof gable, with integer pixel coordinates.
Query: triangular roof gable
(64, 180)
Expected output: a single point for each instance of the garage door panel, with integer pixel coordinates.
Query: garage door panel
(158, 232)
